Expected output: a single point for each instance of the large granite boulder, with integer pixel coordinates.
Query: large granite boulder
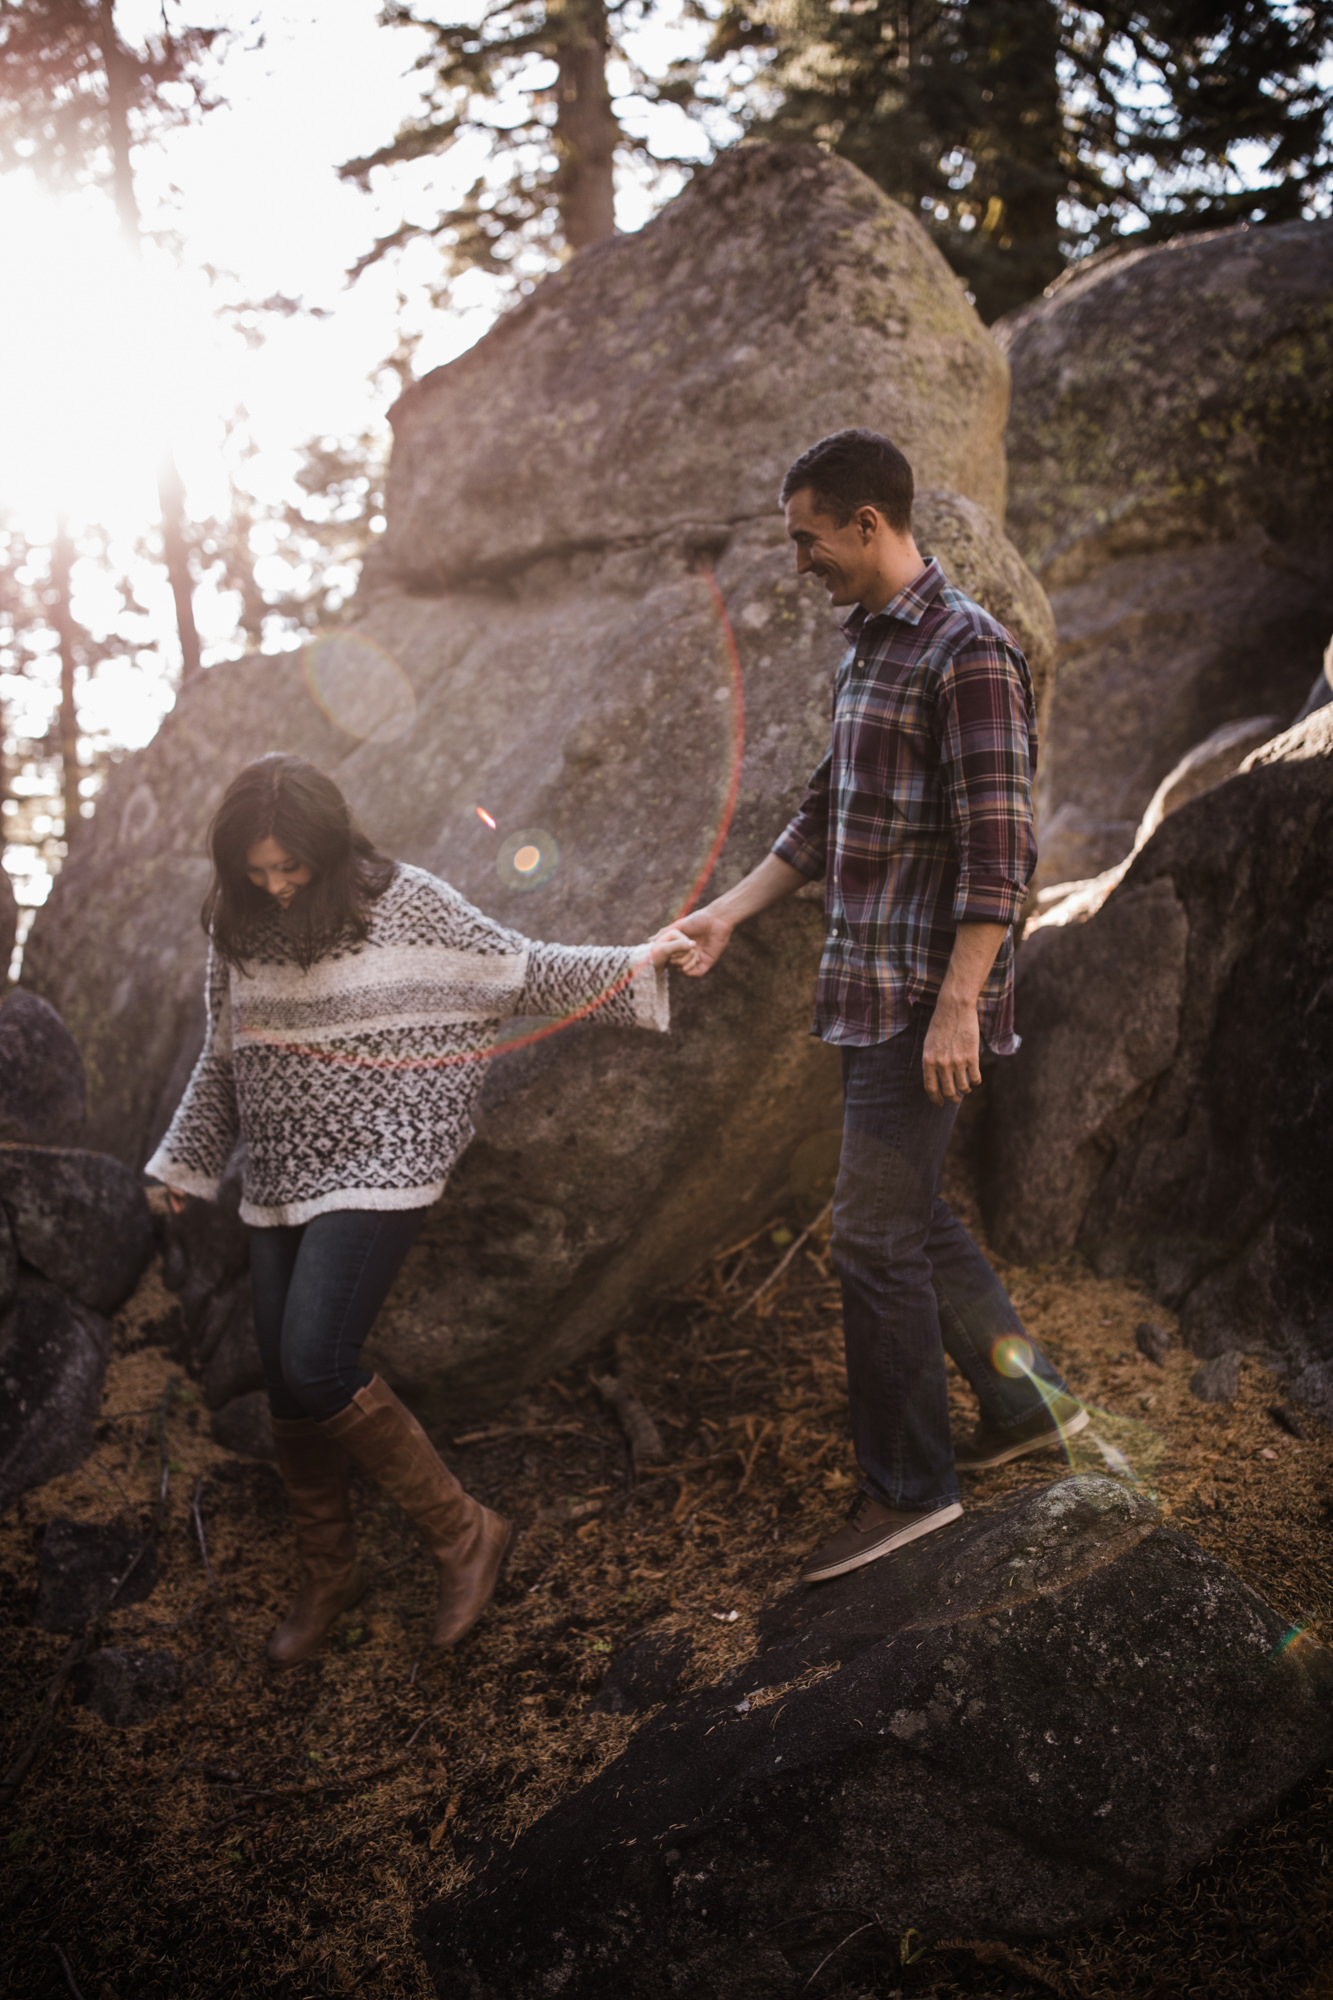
(42, 1088)
(84, 1566)
(540, 638)
(53, 1359)
(1168, 1111)
(1171, 464)
(1040, 1716)
(125, 1688)
(656, 390)
(79, 1218)
(1200, 770)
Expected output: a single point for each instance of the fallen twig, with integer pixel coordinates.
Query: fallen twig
(67, 1969)
(873, 1924)
(990, 1951)
(641, 1433)
(163, 1459)
(208, 1571)
(422, 1724)
(515, 1431)
(774, 1275)
(678, 1466)
(280, 1796)
(749, 1463)
(744, 1244)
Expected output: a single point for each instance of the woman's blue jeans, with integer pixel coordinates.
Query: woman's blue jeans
(318, 1286)
(914, 1284)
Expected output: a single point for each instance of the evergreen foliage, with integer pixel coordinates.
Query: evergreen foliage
(54, 89)
(529, 81)
(1027, 132)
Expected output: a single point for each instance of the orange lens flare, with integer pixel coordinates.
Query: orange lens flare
(485, 818)
(1013, 1356)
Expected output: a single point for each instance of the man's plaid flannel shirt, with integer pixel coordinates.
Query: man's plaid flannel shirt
(920, 816)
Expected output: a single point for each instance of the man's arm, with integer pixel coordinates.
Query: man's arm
(711, 927)
(987, 757)
(951, 1058)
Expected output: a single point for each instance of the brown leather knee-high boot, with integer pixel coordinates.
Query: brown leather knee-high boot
(469, 1542)
(314, 1471)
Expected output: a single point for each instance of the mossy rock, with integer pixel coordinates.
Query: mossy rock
(1174, 395)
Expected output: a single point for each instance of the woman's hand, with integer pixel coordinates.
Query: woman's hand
(671, 947)
(177, 1199)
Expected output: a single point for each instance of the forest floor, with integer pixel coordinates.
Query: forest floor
(277, 1834)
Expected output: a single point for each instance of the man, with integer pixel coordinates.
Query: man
(919, 821)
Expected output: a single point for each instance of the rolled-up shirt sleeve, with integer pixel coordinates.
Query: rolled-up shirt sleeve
(803, 842)
(988, 752)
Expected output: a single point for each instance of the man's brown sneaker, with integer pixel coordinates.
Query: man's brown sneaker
(871, 1530)
(1062, 1418)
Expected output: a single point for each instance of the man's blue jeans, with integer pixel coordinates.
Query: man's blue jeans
(915, 1284)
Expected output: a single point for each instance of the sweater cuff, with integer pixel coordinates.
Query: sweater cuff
(649, 991)
(171, 1174)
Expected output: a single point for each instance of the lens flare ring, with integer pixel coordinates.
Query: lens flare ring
(536, 872)
(359, 686)
(528, 858)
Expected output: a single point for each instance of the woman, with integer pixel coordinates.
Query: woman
(351, 1001)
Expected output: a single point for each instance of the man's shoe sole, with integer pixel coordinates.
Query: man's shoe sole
(925, 1526)
(1049, 1442)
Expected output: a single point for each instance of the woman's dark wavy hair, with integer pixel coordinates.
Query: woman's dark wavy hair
(306, 814)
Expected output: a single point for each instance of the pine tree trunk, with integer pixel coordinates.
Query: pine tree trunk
(1016, 47)
(170, 490)
(586, 130)
(62, 564)
(176, 555)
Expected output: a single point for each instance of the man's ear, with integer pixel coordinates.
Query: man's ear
(869, 522)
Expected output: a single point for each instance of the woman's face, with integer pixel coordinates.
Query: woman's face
(272, 869)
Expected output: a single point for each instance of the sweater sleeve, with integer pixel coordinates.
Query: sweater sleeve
(200, 1138)
(616, 984)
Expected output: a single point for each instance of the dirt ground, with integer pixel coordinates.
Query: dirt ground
(276, 1834)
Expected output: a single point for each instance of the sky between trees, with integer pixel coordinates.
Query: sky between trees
(240, 230)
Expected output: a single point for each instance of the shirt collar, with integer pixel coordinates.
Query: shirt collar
(909, 605)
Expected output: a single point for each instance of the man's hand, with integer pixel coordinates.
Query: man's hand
(709, 929)
(708, 936)
(951, 1059)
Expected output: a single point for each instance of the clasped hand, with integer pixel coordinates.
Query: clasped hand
(694, 944)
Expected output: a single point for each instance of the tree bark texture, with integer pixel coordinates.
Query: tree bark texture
(170, 489)
(62, 617)
(586, 129)
(176, 555)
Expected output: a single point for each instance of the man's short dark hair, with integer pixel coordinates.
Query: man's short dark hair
(851, 469)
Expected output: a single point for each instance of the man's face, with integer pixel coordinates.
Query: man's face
(842, 558)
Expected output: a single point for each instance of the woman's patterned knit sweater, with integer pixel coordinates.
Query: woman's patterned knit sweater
(352, 1081)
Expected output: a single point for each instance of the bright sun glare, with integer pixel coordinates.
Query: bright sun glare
(101, 353)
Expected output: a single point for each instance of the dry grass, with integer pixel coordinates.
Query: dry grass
(276, 1834)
